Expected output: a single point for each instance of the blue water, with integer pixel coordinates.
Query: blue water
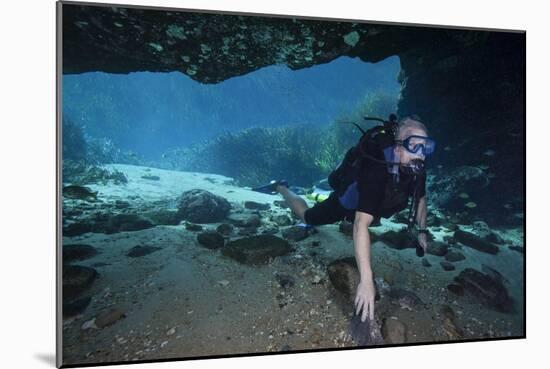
(150, 113)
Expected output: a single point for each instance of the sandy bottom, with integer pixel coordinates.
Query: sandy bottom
(188, 301)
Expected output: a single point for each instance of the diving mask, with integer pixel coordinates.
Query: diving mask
(414, 144)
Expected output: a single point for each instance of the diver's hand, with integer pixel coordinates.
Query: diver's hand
(422, 240)
(364, 299)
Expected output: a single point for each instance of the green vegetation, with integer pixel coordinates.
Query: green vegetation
(302, 154)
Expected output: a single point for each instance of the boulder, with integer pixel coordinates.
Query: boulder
(256, 250)
(454, 256)
(295, 233)
(475, 242)
(344, 276)
(256, 205)
(78, 252)
(437, 248)
(76, 279)
(210, 239)
(200, 206)
(486, 290)
(447, 266)
(394, 331)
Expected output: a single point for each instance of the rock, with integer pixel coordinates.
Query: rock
(405, 299)
(481, 228)
(79, 192)
(494, 274)
(193, 227)
(346, 228)
(270, 230)
(447, 266)
(163, 217)
(473, 241)
(139, 251)
(365, 333)
(516, 248)
(256, 205)
(211, 239)
(295, 233)
(454, 256)
(394, 331)
(247, 231)
(171, 331)
(437, 248)
(256, 250)
(75, 307)
(76, 279)
(344, 276)
(200, 206)
(78, 252)
(245, 220)
(396, 240)
(285, 281)
(486, 290)
(76, 229)
(281, 220)
(109, 317)
(456, 289)
(122, 223)
(426, 263)
(225, 229)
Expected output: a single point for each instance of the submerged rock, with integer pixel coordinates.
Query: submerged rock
(79, 192)
(139, 251)
(193, 227)
(475, 242)
(76, 279)
(245, 220)
(396, 240)
(295, 233)
(76, 229)
(454, 256)
(210, 239)
(109, 317)
(200, 206)
(447, 266)
(488, 291)
(437, 248)
(225, 229)
(256, 250)
(516, 248)
(344, 276)
(405, 298)
(78, 252)
(365, 333)
(256, 205)
(394, 331)
(75, 307)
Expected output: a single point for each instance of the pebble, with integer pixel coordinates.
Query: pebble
(171, 331)
(89, 324)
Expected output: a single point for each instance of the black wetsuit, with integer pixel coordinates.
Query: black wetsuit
(372, 192)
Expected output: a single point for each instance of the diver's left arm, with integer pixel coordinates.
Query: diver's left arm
(421, 215)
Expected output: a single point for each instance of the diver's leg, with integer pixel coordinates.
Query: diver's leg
(297, 204)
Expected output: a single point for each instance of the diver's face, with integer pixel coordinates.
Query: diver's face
(406, 156)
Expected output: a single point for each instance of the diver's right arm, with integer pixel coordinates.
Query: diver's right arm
(364, 299)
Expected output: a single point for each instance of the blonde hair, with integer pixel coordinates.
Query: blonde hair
(410, 122)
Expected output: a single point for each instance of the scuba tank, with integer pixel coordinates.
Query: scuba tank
(372, 144)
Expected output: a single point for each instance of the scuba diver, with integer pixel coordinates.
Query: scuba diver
(375, 179)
